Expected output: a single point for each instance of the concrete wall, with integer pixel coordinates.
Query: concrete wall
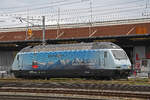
(6, 60)
(139, 54)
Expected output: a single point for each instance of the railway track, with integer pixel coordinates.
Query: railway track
(89, 86)
(128, 94)
(80, 89)
(21, 97)
(17, 97)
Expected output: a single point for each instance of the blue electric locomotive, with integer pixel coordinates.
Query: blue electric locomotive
(97, 60)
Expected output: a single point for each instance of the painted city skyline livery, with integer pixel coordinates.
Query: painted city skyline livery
(97, 60)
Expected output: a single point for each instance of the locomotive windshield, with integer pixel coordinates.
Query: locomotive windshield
(119, 54)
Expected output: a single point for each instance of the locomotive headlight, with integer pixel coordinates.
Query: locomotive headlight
(129, 67)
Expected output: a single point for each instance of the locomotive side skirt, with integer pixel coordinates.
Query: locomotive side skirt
(100, 73)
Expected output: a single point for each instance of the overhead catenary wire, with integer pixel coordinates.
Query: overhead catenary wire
(32, 5)
(80, 11)
(83, 13)
(106, 11)
(72, 3)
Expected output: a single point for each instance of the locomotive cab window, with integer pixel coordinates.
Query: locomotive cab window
(119, 54)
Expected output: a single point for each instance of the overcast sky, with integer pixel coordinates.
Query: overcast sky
(70, 11)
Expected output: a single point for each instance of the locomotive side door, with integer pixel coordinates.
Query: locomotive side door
(105, 59)
(101, 60)
(20, 62)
